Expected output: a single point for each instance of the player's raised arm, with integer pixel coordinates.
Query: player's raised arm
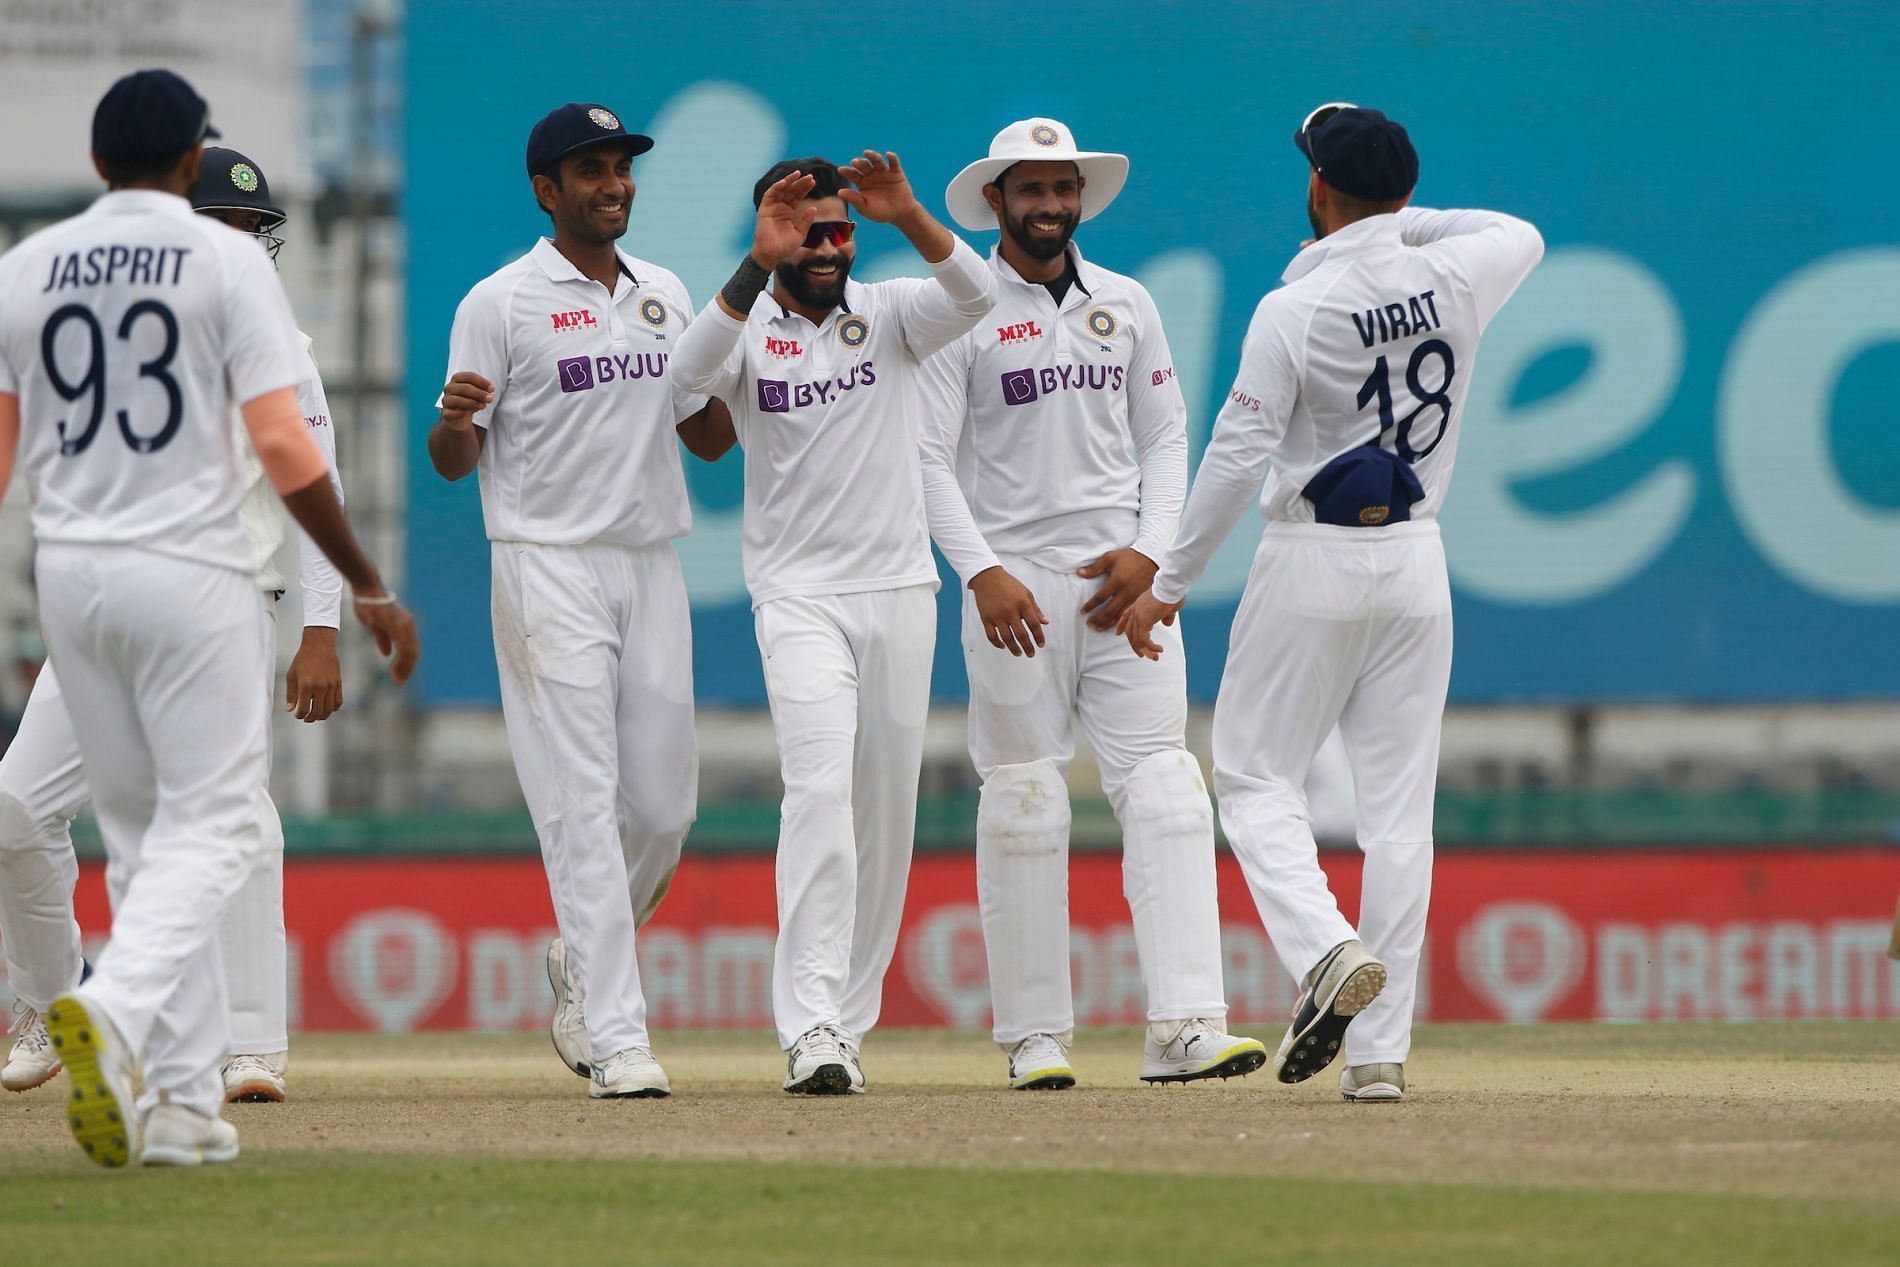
(965, 289)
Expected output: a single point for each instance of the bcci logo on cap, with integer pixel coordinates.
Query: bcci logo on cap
(1044, 135)
(653, 312)
(244, 176)
(604, 119)
(577, 373)
(853, 331)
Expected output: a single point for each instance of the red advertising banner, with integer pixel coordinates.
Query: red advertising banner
(1628, 935)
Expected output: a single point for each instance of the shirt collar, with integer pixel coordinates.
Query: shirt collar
(120, 202)
(561, 269)
(1358, 238)
(1086, 279)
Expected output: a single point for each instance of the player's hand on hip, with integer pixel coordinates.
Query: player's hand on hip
(1010, 617)
(883, 192)
(783, 219)
(464, 396)
(394, 629)
(314, 687)
(1139, 619)
(1129, 573)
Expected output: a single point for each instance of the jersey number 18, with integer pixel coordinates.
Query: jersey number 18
(1377, 387)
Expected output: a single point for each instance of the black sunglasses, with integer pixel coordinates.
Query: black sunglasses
(838, 232)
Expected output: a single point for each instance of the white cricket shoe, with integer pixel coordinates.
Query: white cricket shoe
(99, 1105)
(178, 1136)
(853, 1066)
(568, 1029)
(31, 1062)
(1372, 1083)
(1040, 1063)
(629, 1075)
(255, 1079)
(818, 1064)
(1339, 987)
(1187, 1051)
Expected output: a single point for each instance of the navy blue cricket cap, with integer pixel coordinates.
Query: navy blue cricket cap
(149, 114)
(1360, 152)
(575, 126)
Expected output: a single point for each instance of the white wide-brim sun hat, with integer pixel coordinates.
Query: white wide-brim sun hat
(1038, 141)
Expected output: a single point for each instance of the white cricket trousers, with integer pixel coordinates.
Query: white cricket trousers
(848, 676)
(1022, 739)
(1348, 627)
(595, 647)
(159, 659)
(42, 789)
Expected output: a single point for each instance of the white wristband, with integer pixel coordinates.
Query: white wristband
(385, 599)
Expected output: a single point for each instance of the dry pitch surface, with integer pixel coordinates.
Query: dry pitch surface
(1584, 1144)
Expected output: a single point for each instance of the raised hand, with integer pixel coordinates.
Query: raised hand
(784, 218)
(883, 192)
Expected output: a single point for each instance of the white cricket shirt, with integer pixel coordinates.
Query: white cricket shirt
(829, 417)
(319, 584)
(1064, 425)
(129, 332)
(1374, 335)
(582, 443)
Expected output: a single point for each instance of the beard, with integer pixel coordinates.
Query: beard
(1035, 247)
(815, 294)
(1312, 218)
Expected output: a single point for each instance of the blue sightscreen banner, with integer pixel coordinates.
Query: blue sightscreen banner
(1679, 477)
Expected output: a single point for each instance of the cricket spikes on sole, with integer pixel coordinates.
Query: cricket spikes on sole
(1040, 1062)
(1371, 1084)
(99, 1106)
(255, 1079)
(568, 1029)
(31, 1062)
(1188, 1051)
(818, 1064)
(178, 1136)
(1341, 986)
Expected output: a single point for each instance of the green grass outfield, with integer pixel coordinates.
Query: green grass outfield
(1550, 1144)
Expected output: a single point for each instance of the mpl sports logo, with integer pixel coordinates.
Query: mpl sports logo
(1022, 387)
(577, 320)
(783, 349)
(1021, 332)
(583, 373)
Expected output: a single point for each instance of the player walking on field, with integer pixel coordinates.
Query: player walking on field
(43, 785)
(1352, 380)
(1066, 428)
(561, 396)
(821, 376)
(126, 333)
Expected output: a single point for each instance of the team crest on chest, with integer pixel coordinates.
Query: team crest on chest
(244, 176)
(1102, 323)
(653, 312)
(853, 331)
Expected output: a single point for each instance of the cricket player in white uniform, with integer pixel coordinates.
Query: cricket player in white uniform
(561, 395)
(1065, 426)
(43, 784)
(126, 333)
(1352, 380)
(821, 377)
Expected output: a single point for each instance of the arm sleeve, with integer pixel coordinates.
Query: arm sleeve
(1497, 252)
(943, 393)
(478, 344)
(932, 313)
(685, 403)
(710, 357)
(262, 349)
(1157, 422)
(318, 582)
(1248, 429)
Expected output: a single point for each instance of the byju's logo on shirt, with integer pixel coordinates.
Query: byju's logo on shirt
(578, 320)
(1020, 387)
(776, 396)
(580, 373)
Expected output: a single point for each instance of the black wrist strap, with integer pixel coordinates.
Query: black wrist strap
(747, 284)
